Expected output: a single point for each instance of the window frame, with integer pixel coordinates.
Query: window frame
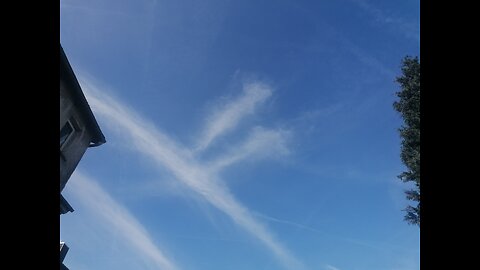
(70, 135)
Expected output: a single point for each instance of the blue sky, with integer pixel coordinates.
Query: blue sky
(240, 135)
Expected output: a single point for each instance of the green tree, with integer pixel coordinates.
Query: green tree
(408, 105)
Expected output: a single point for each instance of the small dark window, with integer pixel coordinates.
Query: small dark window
(65, 132)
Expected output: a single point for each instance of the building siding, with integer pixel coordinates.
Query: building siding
(72, 152)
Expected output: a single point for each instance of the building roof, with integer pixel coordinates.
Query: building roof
(65, 207)
(67, 74)
(63, 251)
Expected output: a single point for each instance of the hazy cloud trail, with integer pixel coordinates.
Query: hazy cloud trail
(198, 177)
(113, 215)
(383, 247)
(330, 267)
(260, 143)
(409, 29)
(227, 117)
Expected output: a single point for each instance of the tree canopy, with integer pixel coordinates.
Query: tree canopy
(408, 105)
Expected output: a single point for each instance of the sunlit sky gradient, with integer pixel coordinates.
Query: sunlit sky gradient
(240, 135)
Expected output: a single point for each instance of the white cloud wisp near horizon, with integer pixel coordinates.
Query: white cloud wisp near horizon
(197, 176)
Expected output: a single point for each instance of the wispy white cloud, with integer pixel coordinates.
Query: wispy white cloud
(198, 177)
(378, 246)
(407, 28)
(291, 223)
(114, 215)
(330, 267)
(365, 57)
(225, 118)
(261, 143)
(345, 43)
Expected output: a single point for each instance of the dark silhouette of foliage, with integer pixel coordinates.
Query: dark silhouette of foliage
(408, 105)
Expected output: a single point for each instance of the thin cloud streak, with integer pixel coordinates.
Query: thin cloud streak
(113, 215)
(226, 119)
(298, 225)
(260, 143)
(383, 247)
(200, 179)
(408, 29)
(366, 58)
(330, 267)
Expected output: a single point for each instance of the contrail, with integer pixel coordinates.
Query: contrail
(179, 161)
(226, 118)
(112, 214)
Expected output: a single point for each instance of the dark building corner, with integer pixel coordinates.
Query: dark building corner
(65, 207)
(79, 131)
